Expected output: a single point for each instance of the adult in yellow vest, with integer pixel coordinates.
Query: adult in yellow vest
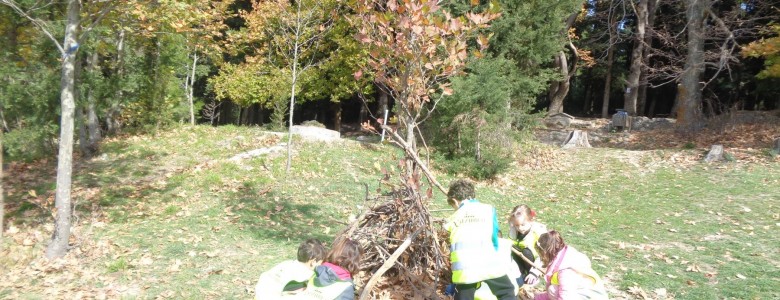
(474, 246)
(569, 272)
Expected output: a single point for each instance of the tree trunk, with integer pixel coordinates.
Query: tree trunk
(478, 145)
(2, 193)
(559, 89)
(260, 115)
(336, 108)
(294, 81)
(651, 110)
(576, 139)
(632, 83)
(81, 120)
(382, 102)
(689, 113)
(244, 114)
(608, 83)
(112, 125)
(92, 122)
(190, 95)
(62, 201)
(641, 101)
(83, 136)
(363, 113)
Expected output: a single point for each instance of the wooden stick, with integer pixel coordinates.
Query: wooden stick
(528, 261)
(386, 266)
(400, 141)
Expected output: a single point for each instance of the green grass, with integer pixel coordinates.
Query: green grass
(179, 219)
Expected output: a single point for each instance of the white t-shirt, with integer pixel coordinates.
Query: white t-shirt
(272, 282)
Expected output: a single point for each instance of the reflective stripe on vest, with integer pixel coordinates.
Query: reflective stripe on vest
(473, 256)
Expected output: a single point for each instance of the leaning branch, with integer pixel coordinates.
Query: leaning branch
(400, 141)
(387, 265)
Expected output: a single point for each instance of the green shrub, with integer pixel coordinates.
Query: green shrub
(486, 168)
(117, 265)
(313, 123)
(729, 157)
(30, 143)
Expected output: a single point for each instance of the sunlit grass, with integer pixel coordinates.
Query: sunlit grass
(184, 221)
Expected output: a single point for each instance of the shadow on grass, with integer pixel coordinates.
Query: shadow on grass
(274, 215)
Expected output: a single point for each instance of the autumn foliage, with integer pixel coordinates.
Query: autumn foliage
(415, 47)
(769, 49)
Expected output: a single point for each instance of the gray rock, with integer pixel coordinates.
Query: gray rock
(558, 121)
(316, 133)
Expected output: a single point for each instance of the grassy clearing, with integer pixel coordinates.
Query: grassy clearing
(170, 216)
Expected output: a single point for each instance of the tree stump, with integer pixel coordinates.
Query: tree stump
(576, 139)
(715, 154)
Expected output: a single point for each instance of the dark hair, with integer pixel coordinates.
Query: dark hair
(346, 254)
(521, 210)
(311, 249)
(549, 245)
(460, 190)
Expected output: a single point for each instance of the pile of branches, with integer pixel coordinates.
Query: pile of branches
(405, 252)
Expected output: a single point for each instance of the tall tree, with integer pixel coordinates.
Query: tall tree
(648, 43)
(637, 54)
(2, 192)
(689, 111)
(560, 88)
(58, 246)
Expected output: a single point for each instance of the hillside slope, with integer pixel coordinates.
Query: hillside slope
(172, 216)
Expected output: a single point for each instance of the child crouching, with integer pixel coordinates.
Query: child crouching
(291, 275)
(333, 279)
(525, 232)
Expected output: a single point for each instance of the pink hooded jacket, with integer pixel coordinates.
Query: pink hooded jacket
(575, 278)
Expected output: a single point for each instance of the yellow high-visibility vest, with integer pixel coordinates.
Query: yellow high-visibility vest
(473, 256)
(531, 238)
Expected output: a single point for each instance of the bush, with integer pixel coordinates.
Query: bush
(30, 143)
(477, 128)
(486, 168)
(496, 146)
(313, 123)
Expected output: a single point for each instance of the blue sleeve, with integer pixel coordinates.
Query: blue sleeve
(495, 229)
(347, 294)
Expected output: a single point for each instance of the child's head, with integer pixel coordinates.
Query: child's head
(549, 245)
(311, 252)
(460, 190)
(521, 217)
(346, 254)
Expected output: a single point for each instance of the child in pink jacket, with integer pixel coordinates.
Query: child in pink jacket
(569, 273)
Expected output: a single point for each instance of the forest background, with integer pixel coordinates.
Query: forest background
(78, 72)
